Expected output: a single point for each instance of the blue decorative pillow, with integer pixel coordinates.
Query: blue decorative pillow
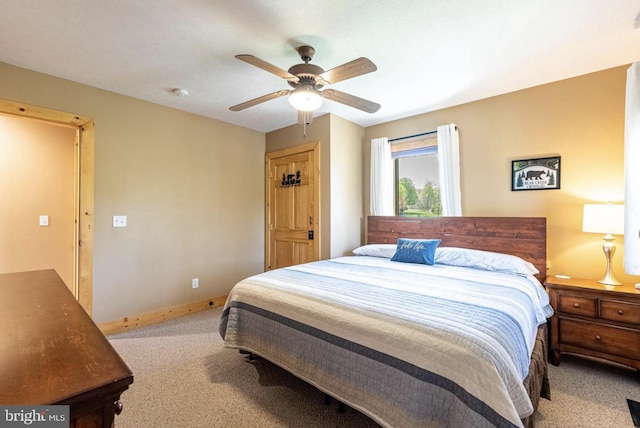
(416, 251)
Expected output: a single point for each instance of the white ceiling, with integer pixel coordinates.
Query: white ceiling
(430, 54)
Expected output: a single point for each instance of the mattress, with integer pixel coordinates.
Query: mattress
(407, 344)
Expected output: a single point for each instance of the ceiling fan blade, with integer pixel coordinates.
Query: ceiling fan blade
(351, 100)
(259, 100)
(354, 68)
(250, 59)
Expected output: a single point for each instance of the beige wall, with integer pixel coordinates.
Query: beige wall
(347, 225)
(36, 178)
(340, 178)
(192, 189)
(580, 119)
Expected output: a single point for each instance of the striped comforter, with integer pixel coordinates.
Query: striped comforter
(407, 344)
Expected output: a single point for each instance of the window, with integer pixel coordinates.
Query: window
(417, 190)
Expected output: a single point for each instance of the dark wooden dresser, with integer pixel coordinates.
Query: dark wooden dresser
(51, 352)
(594, 319)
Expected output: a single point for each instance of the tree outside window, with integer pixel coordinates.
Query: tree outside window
(417, 189)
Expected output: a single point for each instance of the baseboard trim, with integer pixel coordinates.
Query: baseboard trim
(161, 315)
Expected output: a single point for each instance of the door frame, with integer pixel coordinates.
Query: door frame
(83, 182)
(309, 147)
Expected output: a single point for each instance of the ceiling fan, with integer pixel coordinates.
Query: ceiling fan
(307, 80)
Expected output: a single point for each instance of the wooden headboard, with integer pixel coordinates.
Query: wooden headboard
(525, 237)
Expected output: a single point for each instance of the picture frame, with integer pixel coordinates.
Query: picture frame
(535, 174)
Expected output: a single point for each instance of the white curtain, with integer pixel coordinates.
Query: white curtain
(632, 172)
(381, 177)
(449, 166)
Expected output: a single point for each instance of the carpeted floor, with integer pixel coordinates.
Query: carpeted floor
(184, 377)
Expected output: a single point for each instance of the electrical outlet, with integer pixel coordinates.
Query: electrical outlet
(194, 283)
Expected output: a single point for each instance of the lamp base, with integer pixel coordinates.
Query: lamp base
(609, 250)
(609, 281)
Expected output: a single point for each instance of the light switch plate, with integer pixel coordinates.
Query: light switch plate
(44, 220)
(119, 221)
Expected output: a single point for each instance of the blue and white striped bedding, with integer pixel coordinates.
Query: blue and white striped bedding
(407, 344)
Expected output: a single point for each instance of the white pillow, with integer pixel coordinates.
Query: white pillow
(376, 250)
(485, 260)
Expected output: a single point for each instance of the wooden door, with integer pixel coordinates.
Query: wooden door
(292, 232)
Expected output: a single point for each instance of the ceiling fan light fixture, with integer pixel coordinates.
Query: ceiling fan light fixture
(305, 98)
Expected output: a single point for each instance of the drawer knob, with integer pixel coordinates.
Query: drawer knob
(598, 337)
(576, 305)
(620, 312)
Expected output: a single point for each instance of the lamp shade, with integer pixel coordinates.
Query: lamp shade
(305, 98)
(603, 218)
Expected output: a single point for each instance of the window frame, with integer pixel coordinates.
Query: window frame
(421, 143)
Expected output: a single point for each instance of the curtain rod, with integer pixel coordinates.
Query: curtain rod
(413, 136)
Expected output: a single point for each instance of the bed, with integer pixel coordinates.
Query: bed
(411, 344)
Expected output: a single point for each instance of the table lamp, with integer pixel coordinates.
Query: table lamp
(607, 219)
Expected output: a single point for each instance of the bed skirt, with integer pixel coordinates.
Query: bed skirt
(537, 381)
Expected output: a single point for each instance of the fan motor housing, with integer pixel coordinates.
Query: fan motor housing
(306, 73)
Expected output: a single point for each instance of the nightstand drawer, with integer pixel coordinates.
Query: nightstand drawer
(599, 337)
(577, 305)
(620, 311)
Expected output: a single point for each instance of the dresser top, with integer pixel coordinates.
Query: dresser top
(50, 349)
(590, 284)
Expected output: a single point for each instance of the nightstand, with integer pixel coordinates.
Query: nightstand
(595, 319)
